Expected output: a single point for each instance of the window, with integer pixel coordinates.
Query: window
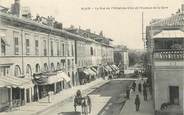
(45, 67)
(52, 67)
(91, 50)
(51, 48)
(17, 71)
(68, 51)
(28, 70)
(16, 45)
(36, 47)
(5, 70)
(174, 95)
(58, 66)
(37, 68)
(27, 47)
(68, 63)
(44, 48)
(63, 49)
(72, 50)
(57, 48)
(3, 47)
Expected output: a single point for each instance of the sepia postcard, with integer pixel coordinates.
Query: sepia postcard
(91, 57)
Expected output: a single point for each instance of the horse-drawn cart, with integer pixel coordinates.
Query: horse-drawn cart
(84, 102)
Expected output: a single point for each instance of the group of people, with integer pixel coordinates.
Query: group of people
(142, 89)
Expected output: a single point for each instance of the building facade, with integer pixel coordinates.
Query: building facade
(165, 45)
(121, 57)
(38, 56)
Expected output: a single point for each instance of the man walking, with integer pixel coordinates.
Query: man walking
(134, 86)
(137, 102)
(140, 87)
(127, 93)
(145, 94)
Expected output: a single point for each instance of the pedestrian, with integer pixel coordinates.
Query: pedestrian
(144, 85)
(140, 87)
(134, 86)
(127, 93)
(89, 103)
(145, 94)
(137, 102)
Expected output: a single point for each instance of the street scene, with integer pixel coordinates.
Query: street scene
(91, 57)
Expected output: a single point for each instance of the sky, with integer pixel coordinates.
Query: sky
(120, 20)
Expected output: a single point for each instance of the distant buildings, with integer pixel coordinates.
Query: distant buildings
(165, 46)
(38, 56)
(121, 57)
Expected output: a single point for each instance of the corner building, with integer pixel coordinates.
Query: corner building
(165, 46)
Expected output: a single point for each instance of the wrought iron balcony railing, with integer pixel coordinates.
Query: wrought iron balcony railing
(169, 54)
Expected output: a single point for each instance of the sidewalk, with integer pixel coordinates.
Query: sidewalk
(36, 108)
(146, 107)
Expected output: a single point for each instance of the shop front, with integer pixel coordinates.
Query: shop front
(49, 82)
(15, 91)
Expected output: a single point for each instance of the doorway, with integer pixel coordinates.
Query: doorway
(174, 95)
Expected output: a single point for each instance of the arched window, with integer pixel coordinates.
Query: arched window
(58, 66)
(17, 71)
(52, 67)
(28, 70)
(37, 68)
(68, 74)
(45, 67)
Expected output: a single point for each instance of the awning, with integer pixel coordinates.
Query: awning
(64, 76)
(15, 82)
(86, 71)
(48, 78)
(93, 69)
(109, 68)
(170, 34)
(115, 67)
(91, 72)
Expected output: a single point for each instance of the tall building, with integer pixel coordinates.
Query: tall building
(165, 46)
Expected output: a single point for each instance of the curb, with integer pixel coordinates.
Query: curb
(70, 97)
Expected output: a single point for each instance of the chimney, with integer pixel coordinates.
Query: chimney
(15, 8)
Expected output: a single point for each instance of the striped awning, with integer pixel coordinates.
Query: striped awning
(91, 72)
(15, 82)
(50, 78)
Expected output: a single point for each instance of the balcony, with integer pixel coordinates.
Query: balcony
(168, 54)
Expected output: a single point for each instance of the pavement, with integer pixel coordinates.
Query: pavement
(35, 108)
(146, 107)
